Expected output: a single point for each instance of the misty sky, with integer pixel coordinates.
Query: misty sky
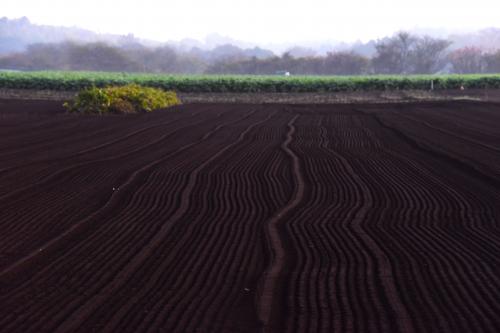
(259, 21)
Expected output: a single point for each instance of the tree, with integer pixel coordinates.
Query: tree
(345, 63)
(467, 60)
(98, 56)
(394, 54)
(428, 57)
(492, 62)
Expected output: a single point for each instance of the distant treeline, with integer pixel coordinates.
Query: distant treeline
(403, 53)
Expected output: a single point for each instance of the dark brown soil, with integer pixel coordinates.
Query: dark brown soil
(251, 218)
(380, 96)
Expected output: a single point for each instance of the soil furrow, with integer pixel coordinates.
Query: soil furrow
(251, 218)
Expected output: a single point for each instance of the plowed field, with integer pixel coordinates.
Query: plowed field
(251, 218)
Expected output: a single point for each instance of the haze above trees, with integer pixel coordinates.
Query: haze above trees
(24, 46)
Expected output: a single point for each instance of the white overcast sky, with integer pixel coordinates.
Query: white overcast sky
(260, 21)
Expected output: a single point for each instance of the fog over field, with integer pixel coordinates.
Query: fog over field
(261, 22)
(252, 37)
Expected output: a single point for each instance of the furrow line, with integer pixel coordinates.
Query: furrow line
(268, 285)
(119, 280)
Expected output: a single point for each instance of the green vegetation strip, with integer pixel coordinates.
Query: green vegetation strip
(75, 81)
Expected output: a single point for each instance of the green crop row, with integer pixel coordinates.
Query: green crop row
(75, 81)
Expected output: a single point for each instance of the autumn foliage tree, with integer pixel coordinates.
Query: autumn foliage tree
(467, 60)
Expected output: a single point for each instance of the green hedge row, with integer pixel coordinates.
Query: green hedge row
(75, 81)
